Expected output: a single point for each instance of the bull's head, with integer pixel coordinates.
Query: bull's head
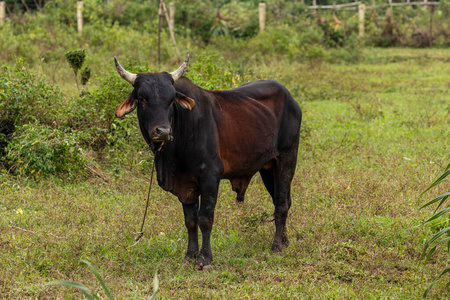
(153, 95)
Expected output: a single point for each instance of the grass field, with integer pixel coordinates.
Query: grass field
(375, 134)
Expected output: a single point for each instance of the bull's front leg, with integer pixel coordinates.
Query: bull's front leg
(191, 222)
(209, 191)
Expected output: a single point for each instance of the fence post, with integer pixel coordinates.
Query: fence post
(80, 16)
(361, 14)
(262, 16)
(315, 4)
(2, 12)
(172, 14)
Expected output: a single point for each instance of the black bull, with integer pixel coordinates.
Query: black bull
(201, 136)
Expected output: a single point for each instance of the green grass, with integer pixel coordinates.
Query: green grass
(373, 139)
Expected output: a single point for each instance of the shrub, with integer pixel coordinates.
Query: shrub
(210, 72)
(25, 96)
(76, 58)
(39, 149)
(240, 18)
(276, 41)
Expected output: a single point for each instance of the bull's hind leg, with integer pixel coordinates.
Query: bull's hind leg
(277, 180)
(267, 177)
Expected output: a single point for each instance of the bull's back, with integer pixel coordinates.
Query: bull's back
(249, 129)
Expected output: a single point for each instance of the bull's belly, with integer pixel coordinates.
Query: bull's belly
(247, 165)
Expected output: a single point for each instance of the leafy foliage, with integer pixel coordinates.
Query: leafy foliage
(39, 149)
(211, 72)
(76, 58)
(442, 237)
(26, 96)
(85, 75)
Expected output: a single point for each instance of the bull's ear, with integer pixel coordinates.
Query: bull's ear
(127, 106)
(184, 101)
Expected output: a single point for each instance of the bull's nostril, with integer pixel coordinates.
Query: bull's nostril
(160, 133)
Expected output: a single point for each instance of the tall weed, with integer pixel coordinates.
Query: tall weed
(442, 237)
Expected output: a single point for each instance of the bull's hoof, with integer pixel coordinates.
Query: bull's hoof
(285, 241)
(190, 257)
(201, 267)
(203, 264)
(276, 248)
(280, 243)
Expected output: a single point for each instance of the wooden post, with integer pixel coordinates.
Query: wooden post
(361, 14)
(80, 16)
(2, 12)
(172, 35)
(262, 16)
(315, 4)
(431, 25)
(159, 33)
(172, 14)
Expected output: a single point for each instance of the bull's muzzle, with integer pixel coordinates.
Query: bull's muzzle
(162, 134)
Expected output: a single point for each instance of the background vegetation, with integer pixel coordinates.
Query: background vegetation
(73, 178)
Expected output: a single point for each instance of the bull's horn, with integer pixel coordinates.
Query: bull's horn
(130, 77)
(178, 72)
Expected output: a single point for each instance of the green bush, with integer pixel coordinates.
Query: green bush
(39, 149)
(25, 96)
(239, 19)
(43, 132)
(211, 72)
(189, 22)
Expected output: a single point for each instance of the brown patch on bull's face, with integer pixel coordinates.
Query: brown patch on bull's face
(127, 106)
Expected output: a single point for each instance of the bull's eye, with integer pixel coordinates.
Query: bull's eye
(141, 99)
